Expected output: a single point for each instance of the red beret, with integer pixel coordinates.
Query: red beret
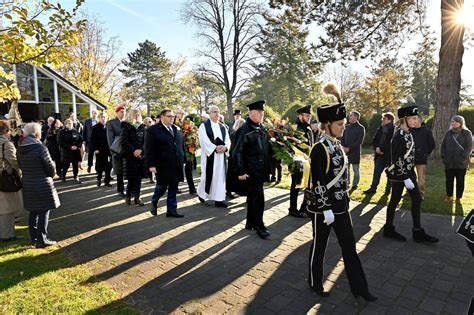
(119, 108)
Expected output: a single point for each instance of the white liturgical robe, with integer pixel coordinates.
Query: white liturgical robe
(217, 189)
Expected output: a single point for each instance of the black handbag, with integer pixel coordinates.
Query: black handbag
(9, 182)
(116, 147)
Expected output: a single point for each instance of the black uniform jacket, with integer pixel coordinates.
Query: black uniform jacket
(251, 151)
(327, 160)
(165, 152)
(308, 133)
(402, 163)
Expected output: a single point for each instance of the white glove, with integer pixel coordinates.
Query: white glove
(328, 217)
(408, 184)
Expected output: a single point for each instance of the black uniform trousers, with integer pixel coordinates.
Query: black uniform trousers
(342, 226)
(294, 195)
(188, 171)
(397, 191)
(255, 202)
(103, 163)
(75, 168)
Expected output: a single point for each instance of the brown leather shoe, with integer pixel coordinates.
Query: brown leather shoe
(128, 200)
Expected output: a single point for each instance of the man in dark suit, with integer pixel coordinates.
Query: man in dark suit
(164, 153)
(45, 128)
(87, 132)
(352, 143)
(114, 130)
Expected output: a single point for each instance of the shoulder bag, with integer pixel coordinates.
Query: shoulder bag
(9, 182)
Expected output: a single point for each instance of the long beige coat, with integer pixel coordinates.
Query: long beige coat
(10, 202)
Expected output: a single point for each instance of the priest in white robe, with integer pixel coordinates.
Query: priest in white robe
(215, 145)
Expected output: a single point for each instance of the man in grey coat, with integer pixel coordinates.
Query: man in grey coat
(114, 130)
(352, 143)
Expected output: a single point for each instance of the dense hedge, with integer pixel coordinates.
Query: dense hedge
(467, 112)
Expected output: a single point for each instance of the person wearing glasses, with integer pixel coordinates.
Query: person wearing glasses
(164, 152)
(302, 124)
(215, 145)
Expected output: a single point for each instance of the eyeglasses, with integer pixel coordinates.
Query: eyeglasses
(214, 111)
(170, 116)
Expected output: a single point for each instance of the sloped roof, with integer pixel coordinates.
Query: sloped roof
(71, 86)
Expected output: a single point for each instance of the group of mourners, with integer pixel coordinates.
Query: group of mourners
(234, 159)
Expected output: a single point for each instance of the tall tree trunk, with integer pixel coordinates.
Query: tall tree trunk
(230, 108)
(448, 83)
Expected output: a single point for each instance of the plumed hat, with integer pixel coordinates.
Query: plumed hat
(332, 112)
(408, 111)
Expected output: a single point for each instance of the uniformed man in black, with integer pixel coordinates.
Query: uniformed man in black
(303, 125)
(401, 173)
(328, 203)
(251, 163)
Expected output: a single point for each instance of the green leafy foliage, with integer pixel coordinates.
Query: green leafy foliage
(38, 33)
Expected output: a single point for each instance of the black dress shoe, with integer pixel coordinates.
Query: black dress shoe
(46, 243)
(138, 202)
(421, 237)
(201, 200)
(220, 204)
(368, 297)
(262, 233)
(179, 191)
(320, 291)
(153, 212)
(98, 183)
(389, 232)
(108, 185)
(230, 195)
(296, 214)
(174, 215)
(121, 194)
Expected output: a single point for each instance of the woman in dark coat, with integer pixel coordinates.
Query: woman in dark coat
(455, 151)
(70, 142)
(133, 142)
(39, 193)
(52, 144)
(100, 147)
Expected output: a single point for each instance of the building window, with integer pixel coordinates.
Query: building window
(46, 90)
(65, 96)
(83, 111)
(25, 81)
(65, 110)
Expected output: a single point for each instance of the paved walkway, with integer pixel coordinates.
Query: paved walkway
(207, 262)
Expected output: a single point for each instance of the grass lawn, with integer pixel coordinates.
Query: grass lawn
(46, 281)
(434, 194)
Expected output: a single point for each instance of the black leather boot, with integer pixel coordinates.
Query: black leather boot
(419, 235)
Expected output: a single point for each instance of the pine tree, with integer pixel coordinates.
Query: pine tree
(287, 72)
(149, 72)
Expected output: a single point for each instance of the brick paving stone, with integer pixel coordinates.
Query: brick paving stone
(208, 263)
(432, 305)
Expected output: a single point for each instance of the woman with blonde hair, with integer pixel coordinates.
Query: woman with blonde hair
(455, 151)
(133, 143)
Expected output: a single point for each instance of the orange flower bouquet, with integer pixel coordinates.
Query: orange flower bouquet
(190, 137)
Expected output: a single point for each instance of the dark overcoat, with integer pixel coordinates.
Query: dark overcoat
(353, 138)
(424, 144)
(52, 144)
(66, 139)
(39, 193)
(114, 130)
(133, 138)
(165, 152)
